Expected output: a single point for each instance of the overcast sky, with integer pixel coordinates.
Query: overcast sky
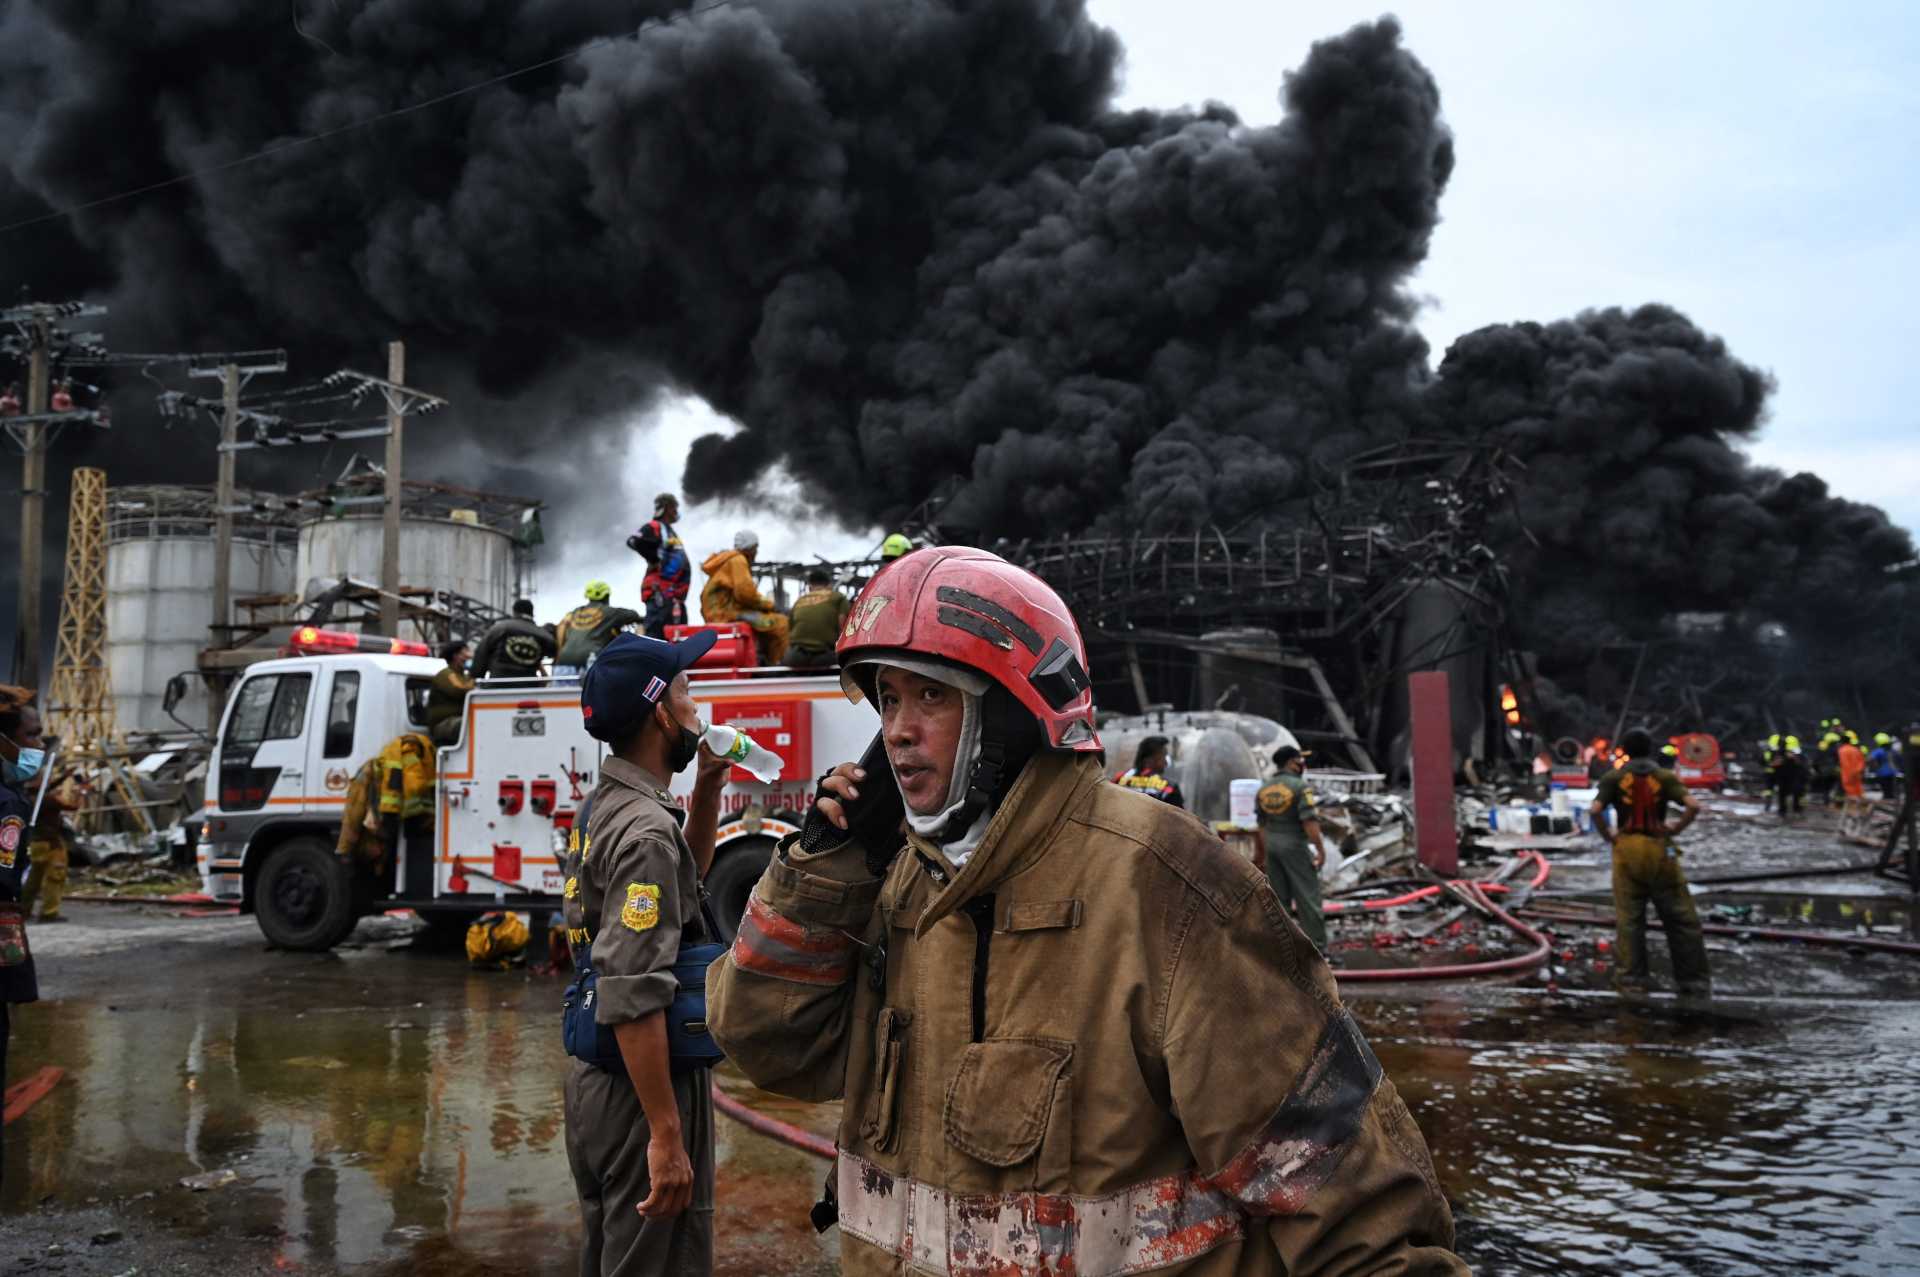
(1755, 164)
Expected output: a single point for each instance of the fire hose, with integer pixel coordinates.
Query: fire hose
(772, 1127)
(1434, 888)
(1472, 892)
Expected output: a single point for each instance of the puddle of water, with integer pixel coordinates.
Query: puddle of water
(1605, 1137)
(385, 1137)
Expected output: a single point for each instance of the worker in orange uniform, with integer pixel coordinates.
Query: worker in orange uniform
(731, 595)
(1853, 766)
(1646, 867)
(1070, 1031)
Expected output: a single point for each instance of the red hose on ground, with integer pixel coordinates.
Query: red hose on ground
(1528, 961)
(772, 1127)
(1434, 889)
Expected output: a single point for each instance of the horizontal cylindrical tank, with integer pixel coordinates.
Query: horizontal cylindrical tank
(435, 554)
(159, 608)
(1209, 750)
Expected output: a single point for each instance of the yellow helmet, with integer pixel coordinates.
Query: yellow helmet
(598, 591)
(895, 546)
(1882, 738)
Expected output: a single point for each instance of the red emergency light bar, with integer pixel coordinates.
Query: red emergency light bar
(310, 640)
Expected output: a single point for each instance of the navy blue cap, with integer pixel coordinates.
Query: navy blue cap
(630, 676)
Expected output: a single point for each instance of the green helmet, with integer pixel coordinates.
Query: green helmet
(1793, 744)
(895, 546)
(1882, 738)
(598, 591)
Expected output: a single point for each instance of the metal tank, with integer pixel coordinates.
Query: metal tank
(450, 553)
(1209, 749)
(160, 569)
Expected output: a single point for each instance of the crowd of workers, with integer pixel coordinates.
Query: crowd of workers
(1841, 767)
(801, 636)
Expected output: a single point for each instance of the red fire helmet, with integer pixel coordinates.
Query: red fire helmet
(975, 609)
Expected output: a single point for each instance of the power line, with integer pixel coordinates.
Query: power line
(298, 142)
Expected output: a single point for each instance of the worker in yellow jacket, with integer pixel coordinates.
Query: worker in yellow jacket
(731, 595)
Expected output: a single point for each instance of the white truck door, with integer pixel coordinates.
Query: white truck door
(263, 752)
(343, 737)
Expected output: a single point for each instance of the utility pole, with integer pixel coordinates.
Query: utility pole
(33, 508)
(390, 523)
(37, 335)
(223, 499)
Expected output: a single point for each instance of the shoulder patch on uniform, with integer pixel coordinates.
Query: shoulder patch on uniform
(10, 831)
(642, 910)
(573, 889)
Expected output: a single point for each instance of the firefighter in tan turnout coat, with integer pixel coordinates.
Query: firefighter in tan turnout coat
(1072, 1032)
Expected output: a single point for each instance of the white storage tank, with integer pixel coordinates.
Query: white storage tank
(455, 553)
(160, 560)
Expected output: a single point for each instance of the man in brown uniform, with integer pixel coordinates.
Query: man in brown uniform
(1071, 1031)
(640, 1139)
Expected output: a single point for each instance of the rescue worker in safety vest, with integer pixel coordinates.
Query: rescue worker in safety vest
(663, 591)
(1070, 1031)
(1148, 775)
(731, 595)
(588, 628)
(514, 647)
(1646, 867)
(640, 1140)
(1288, 825)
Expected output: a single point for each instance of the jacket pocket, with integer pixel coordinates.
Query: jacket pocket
(881, 1125)
(1003, 1097)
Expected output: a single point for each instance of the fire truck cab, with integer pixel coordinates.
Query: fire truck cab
(297, 729)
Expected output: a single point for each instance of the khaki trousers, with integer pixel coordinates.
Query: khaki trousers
(607, 1136)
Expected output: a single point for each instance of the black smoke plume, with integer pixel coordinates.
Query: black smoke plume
(911, 246)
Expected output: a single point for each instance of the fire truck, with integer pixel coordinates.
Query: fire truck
(296, 729)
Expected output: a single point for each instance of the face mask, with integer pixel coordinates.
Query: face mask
(685, 746)
(27, 766)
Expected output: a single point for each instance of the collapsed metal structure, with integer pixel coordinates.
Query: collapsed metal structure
(1382, 570)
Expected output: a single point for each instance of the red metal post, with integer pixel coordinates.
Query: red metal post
(1429, 701)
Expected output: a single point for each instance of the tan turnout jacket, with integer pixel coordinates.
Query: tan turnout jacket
(1100, 1048)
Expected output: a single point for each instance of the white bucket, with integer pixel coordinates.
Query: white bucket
(1242, 809)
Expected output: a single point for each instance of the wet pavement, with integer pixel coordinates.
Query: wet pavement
(388, 1110)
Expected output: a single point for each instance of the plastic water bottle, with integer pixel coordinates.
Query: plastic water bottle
(744, 751)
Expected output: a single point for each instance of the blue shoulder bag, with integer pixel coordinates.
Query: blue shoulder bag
(689, 1044)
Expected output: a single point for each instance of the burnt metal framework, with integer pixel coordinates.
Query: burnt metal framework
(1328, 577)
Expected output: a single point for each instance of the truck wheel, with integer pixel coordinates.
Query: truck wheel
(304, 899)
(730, 881)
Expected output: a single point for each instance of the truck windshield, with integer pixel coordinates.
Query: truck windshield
(271, 707)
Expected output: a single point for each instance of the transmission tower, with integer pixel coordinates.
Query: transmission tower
(80, 703)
